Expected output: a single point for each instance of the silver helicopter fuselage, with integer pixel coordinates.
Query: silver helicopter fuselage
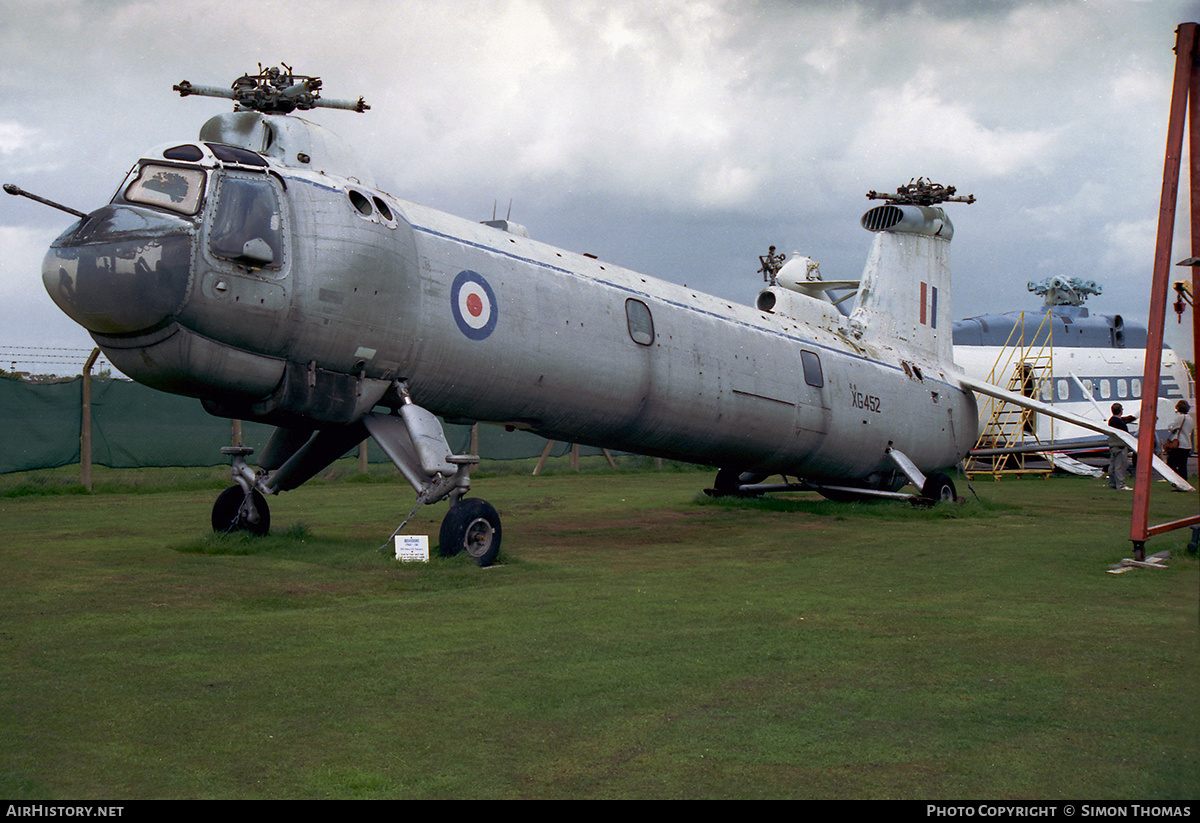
(259, 269)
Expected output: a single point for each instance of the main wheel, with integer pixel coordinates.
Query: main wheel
(939, 488)
(730, 481)
(227, 514)
(473, 526)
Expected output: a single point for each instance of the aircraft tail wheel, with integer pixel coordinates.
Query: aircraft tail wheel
(939, 488)
(227, 514)
(473, 526)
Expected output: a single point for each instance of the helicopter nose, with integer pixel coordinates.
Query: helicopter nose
(121, 270)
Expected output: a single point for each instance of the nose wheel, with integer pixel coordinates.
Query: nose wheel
(473, 526)
(236, 511)
(241, 508)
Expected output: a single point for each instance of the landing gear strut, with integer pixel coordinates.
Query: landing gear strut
(413, 439)
(936, 487)
(730, 481)
(241, 507)
(234, 511)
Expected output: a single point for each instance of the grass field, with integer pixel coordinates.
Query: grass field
(638, 641)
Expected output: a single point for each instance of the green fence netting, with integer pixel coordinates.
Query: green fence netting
(39, 425)
(135, 426)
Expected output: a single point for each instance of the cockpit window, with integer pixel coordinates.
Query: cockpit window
(167, 187)
(187, 153)
(247, 226)
(232, 154)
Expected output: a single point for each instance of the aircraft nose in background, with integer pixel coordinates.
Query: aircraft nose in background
(121, 270)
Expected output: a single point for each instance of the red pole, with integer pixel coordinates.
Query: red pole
(1185, 41)
(1194, 185)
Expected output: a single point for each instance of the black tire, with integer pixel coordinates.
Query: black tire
(726, 482)
(730, 481)
(227, 517)
(939, 488)
(473, 526)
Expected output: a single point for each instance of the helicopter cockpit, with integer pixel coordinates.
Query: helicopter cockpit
(246, 226)
(126, 267)
(175, 189)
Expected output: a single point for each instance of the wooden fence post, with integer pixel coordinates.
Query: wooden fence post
(85, 422)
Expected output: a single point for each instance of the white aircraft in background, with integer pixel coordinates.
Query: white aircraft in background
(1065, 355)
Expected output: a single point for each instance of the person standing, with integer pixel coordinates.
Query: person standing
(1118, 452)
(1179, 439)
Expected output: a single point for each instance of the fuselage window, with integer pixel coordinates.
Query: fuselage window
(1122, 388)
(1064, 390)
(641, 324)
(247, 227)
(173, 188)
(1135, 387)
(1105, 389)
(812, 369)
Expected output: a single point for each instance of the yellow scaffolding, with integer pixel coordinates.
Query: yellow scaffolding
(1024, 368)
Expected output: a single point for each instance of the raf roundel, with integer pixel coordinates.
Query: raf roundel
(474, 305)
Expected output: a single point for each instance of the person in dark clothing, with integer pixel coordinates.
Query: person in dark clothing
(1118, 452)
(1179, 439)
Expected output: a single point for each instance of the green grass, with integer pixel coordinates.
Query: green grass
(66, 479)
(637, 641)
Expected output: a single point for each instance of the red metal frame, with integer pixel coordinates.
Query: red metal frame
(1185, 95)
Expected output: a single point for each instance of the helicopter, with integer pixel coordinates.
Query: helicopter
(260, 269)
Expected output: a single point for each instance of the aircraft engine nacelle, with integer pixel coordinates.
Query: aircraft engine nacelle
(807, 308)
(797, 291)
(903, 219)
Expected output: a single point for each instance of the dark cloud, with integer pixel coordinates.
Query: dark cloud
(678, 138)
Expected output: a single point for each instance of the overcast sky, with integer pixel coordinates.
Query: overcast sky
(678, 138)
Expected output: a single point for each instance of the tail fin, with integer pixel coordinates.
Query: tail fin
(904, 295)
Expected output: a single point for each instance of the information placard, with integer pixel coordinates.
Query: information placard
(412, 548)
